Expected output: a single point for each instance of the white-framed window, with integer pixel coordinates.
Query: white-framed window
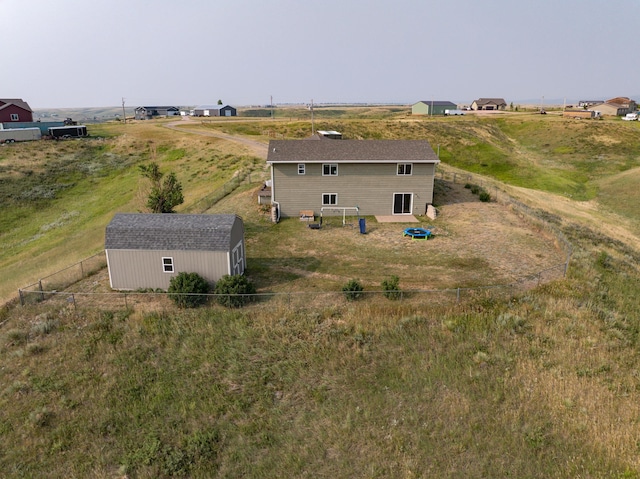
(167, 264)
(14, 117)
(301, 168)
(405, 169)
(329, 199)
(330, 169)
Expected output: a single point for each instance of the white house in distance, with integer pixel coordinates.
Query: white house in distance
(146, 250)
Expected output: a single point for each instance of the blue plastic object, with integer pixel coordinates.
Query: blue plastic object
(417, 233)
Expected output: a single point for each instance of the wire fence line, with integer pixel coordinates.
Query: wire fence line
(202, 205)
(298, 300)
(55, 286)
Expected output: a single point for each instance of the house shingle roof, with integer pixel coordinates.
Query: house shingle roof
(6, 102)
(350, 151)
(148, 231)
(490, 101)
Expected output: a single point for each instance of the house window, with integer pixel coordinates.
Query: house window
(405, 169)
(329, 199)
(330, 170)
(301, 168)
(14, 117)
(167, 265)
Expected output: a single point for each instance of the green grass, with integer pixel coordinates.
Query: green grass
(467, 391)
(541, 385)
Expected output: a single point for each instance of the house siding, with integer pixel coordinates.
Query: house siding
(23, 115)
(135, 269)
(369, 186)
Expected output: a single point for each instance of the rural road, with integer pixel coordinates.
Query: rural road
(257, 148)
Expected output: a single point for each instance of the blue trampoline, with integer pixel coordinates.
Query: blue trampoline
(417, 233)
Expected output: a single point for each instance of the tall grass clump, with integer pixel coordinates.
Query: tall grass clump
(391, 288)
(352, 290)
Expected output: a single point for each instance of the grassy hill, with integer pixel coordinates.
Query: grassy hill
(542, 385)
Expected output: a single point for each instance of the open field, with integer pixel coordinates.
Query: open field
(544, 384)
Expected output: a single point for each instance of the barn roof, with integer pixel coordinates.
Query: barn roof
(351, 151)
(169, 231)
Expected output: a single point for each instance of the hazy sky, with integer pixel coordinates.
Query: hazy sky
(83, 53)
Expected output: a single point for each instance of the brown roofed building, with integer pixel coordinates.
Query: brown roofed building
(15, 110)
(489, 104)
(618, 106)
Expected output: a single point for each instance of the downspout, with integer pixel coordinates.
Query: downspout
(273, 201)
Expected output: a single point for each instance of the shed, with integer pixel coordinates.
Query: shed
(431, 107)
(215, 110)
(146, 250)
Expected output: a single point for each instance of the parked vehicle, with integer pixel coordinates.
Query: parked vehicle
(453, 112)
(11, 135)
(71, 131)
(631, 116)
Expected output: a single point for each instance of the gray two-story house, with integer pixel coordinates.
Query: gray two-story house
(379, 177)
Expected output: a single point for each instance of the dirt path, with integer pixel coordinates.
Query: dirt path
(255, 147)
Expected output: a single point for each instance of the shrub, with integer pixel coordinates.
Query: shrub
(188, 290)
(391, 288)
(352, 290)
(232, 290)
(475, 189)
(484, 196)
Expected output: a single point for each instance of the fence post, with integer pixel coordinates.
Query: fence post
(81, 270)
(21, 297)
(458, 295)
(126, 306)
(41, 292)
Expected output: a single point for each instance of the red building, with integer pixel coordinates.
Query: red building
(14, 110)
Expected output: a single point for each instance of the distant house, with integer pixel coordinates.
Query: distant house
(379, 177)
(489, 104)
(150, 112)
(429, 107)
(15, 110)
(215, 110)
(588, 103)
(147, 250)
(618, 106)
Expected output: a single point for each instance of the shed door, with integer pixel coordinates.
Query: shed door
(237, 259)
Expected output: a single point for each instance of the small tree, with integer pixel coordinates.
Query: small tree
(352, 290)
(165, 193)
(188, 290)
(234, 290)
(391, 288)
(219, 102)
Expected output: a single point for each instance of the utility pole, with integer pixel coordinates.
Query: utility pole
(124, 115)
(313, 130)
(271, 105)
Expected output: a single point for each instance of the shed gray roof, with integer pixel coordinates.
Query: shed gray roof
(169, 231)
(350, 151)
